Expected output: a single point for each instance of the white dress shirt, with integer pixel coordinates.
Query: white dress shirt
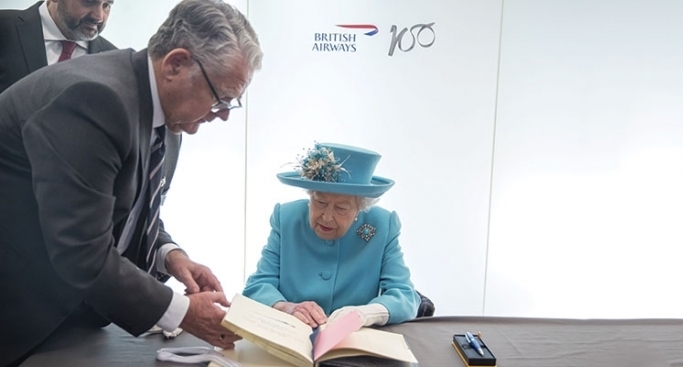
(179, 303)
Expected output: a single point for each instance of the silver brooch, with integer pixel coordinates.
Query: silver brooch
(366, 232)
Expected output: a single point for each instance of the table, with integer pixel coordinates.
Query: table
(516, 342)
(110, 346)
(530, 342)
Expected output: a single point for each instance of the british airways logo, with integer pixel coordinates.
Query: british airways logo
(371, 29)
(347, 38)
(342, 41)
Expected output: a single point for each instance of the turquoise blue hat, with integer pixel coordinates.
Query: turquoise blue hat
(338, 169)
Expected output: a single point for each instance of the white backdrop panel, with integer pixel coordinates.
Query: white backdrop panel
(586, 201)
(429, 112)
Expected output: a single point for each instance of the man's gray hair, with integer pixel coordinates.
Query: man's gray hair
(214, 32)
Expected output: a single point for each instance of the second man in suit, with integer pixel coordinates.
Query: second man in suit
(32, 38)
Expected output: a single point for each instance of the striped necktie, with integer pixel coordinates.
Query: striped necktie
(156, 173)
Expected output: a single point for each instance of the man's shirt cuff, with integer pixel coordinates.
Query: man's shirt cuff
(175, 313)
(161, 256)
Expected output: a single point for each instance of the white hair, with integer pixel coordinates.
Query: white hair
(364, 203)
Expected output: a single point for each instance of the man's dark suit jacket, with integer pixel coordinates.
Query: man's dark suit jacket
(22, 46)
(74, 147)
(22, 51)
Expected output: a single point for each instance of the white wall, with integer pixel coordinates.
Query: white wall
(587, 199)
(536, 146)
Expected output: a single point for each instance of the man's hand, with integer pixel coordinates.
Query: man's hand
(308, 312)
(196, 277)
(203, 319)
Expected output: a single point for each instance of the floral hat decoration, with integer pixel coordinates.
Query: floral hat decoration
(338, 169)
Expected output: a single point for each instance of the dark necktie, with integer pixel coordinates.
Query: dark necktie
(156, 173)
(68, 48)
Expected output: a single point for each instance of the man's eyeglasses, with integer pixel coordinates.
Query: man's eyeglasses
(220, 104)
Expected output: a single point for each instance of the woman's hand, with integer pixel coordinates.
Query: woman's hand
(309, 312)
(372, 314)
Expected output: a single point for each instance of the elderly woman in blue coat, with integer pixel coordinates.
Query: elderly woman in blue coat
(335, 252)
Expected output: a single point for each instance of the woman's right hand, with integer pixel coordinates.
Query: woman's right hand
(309, 312)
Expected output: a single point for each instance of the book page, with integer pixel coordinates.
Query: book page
(333, 333)
(249, 354)
(372, 342)
(275, 331)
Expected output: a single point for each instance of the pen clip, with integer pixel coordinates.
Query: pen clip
(469, 337)
(474, 343)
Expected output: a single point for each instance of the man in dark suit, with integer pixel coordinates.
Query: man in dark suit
(31, 38)
(75, 146)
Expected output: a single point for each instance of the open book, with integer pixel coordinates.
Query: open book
(288, 338)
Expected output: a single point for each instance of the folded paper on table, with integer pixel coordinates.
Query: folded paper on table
(288, 338)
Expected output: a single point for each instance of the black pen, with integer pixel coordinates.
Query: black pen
(473, 343)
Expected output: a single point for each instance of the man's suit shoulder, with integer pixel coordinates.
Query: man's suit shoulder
(100, 44)
(20, 15)
(10, 16)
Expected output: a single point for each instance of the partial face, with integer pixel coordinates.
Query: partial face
(331, 215)
(81, 20)
(206, 96)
